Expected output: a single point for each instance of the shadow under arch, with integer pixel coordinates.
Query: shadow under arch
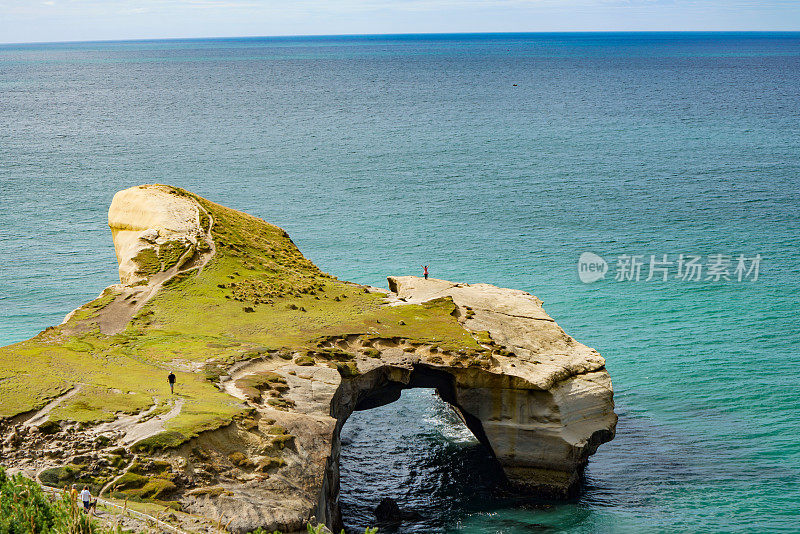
(423, 376)
(381, 387)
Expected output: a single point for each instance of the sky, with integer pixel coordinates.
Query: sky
(80, 20)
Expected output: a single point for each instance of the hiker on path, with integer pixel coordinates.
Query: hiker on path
(73, 493)
(171, 380)
(86, 497)
(425, 271)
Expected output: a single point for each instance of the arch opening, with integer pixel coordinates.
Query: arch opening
(416, 449)
(423, 376)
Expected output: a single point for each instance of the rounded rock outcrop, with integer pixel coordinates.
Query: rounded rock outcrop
(153, 230)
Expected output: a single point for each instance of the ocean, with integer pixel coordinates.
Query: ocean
(490, 158)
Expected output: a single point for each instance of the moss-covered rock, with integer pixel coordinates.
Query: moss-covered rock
(160, 442)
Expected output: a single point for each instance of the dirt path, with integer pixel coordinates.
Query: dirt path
(141, 425)
(39, 417)
(152, 426)
(112, 514)
(117, 314)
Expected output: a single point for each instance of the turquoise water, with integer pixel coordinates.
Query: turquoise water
(496, 158)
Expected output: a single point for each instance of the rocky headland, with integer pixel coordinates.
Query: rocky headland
(272, 356)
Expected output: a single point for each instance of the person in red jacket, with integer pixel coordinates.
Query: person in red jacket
(425, 271)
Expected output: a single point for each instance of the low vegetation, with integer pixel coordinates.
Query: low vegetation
(26, 509)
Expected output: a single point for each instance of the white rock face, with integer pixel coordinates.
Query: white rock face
(546, 407)
(153, 229)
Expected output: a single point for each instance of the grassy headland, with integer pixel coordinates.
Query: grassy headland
(257, 297)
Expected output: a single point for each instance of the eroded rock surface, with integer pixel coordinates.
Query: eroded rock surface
(547, 405)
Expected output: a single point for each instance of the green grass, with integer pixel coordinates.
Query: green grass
(95, 404)
(201, 318)
(91, 309)
(170, 252)
(143, 488)
(168, 439)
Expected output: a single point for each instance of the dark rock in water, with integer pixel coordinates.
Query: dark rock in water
(388, 511)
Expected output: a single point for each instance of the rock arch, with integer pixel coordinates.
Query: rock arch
(521, 426)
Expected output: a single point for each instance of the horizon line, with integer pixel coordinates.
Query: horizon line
(407, 34)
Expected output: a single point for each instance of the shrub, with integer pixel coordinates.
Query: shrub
(49, 427)
(372, 353)
(281, 403)
(130, 481)
(347, 370)
(305, 360)
(25, 509)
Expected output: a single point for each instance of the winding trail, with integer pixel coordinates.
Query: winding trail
(151, 426)
(40, 416)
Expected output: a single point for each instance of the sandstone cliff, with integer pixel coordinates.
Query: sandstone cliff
(152, 230)
(272, 357)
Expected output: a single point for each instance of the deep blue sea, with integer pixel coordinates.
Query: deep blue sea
(491, 158)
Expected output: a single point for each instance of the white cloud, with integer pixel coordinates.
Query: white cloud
(48, 20)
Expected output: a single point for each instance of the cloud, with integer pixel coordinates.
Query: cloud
(59, 20)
